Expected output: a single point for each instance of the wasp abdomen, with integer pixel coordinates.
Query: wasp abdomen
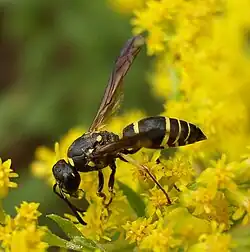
(154, 127)
(165, 132)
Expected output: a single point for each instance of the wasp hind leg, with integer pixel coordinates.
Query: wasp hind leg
(126, 151)
(132, 151)
(175, 187)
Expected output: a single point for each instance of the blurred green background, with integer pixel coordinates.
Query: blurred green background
(55, 60)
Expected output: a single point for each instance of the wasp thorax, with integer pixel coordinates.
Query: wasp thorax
(66, 176)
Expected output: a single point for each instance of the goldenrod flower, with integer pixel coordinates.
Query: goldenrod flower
(215, 241)
(27, 214)
(186, 225)
(103, 222)
(156, 201)
(22, 232)
(137, 230)
(243, 210)
(161, 239)
(6, 232)
(29, 239)
(220, 176)
(5, 174)
(201, 200)
(179, 170)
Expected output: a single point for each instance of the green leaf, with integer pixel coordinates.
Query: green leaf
(67, 226)
(77, 240)
(134, 199)
(56, 241)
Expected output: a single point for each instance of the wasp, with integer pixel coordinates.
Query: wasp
(97, 148)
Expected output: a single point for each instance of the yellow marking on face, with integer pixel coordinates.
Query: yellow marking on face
(167, 133)
(185, 140)
(99, 138)
(136, 127)
(179, 133)
(71, 161)
(91, 164)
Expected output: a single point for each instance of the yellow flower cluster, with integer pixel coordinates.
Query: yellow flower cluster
(202, 58)
(5, 174)
(22, 232)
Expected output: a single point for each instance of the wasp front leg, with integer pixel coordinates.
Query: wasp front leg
(74, 209)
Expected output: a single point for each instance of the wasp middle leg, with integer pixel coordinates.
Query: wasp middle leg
(100, 186)
(111, 182)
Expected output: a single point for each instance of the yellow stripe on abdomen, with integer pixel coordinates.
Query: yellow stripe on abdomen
(164, 142)
(136, 127)
(185, 140)
(179, 133)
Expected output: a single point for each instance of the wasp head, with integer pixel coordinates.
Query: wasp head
(66, 176)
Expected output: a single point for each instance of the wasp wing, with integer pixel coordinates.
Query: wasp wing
(133, 142)
(112, 95)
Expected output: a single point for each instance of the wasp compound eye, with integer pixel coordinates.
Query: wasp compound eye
(66, 176)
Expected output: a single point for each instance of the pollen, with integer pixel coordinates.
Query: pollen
(91, 164)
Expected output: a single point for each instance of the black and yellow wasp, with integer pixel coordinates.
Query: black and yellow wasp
(97, 149)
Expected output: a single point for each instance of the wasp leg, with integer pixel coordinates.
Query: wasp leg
(100, 186)
(111, 182)
(133, 151)
(176, 188)
(71, 206)
(157, 183)
(121, 158)
(158, 161)
(145, 168)
(76, 196)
